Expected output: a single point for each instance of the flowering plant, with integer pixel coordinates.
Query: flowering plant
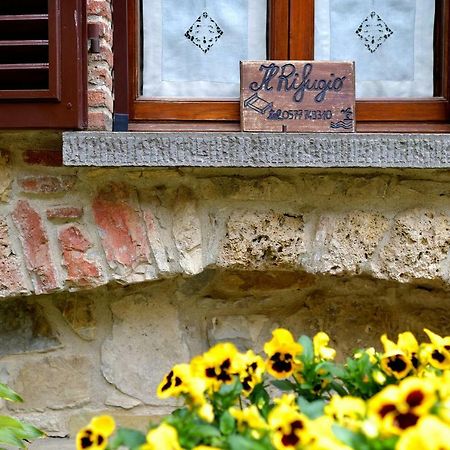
(298, 397)
(13, 432)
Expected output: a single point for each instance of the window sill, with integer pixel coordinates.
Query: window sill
(236, 149)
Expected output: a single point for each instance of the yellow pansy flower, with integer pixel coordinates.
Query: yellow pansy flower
(180, 381)
(164, 437)
(206, 412)
(95, 435)
(248, 418)
(429, 434)
(439, 354)
(347, 411)
(174, 383)
(217, 366)
(289, 428)
(251, 372)
(398, 360)
(281, 351)
(321, 351)
(323, 437)
(398, 408)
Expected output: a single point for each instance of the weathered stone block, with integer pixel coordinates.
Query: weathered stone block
(79, 314)
(418, 247)
(347, 242)
(53, 383)
(11, 278)
(146, 341)
(24, 328)
(243, 331)
(258, 239)
(187, 233)
(5, 176)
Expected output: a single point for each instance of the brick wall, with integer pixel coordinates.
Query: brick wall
(100, 68)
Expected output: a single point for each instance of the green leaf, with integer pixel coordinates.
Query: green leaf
(9, 394)
(227, 423)
(237, 442)
(30, 433)
(9, 422)
(312, 409)
(348, 437)
(8, 437)
(307, 356)
(338, 388)
(202, 431)
(130, 438)
(283, 385)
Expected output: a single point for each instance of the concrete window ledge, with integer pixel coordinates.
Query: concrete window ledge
(256, 150)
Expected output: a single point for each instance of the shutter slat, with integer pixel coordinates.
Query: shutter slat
(23, 17)
(30, 66)
(22, 43)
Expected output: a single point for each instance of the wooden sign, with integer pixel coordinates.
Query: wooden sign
(301, 96)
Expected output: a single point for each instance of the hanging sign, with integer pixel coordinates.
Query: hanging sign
(299, 96)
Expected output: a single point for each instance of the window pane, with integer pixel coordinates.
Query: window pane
(192, 48)
(391, 42)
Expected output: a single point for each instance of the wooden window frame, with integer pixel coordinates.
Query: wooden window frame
(291, 36)
(64, 104)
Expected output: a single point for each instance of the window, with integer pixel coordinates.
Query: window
(43, 64)
(183, 55)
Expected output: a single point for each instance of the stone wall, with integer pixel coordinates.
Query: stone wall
(110, 276)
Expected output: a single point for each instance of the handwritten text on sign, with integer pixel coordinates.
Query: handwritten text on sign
(302, 96)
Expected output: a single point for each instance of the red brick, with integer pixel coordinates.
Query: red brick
(47, 184)
(36, 248)
(99, 120)
(50, 158)
(99, 8)
(123, 235)
(105, 54)
(64, 213)
(100, 98)
(100, 76)
(11, 278)
(80, 271)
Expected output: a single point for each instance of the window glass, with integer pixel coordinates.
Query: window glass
(192, 48)
(391, 42)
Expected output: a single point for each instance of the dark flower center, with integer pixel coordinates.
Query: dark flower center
(281, 362)
(415, 398)
(386, 409)
(404, 421)
(86, 441)
(397, 364)
(438, 356)
(223, 374)
(290, 439)
(100, 439)
(414, 361)
(168, 381)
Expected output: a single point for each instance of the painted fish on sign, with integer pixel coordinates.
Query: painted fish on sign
(297, 96)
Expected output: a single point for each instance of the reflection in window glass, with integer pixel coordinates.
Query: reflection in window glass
(391, 42)
(192, 48)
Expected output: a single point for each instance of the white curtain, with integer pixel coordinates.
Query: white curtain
(391, 42)
(192, 48)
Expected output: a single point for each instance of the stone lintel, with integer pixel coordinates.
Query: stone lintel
(165, 149)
